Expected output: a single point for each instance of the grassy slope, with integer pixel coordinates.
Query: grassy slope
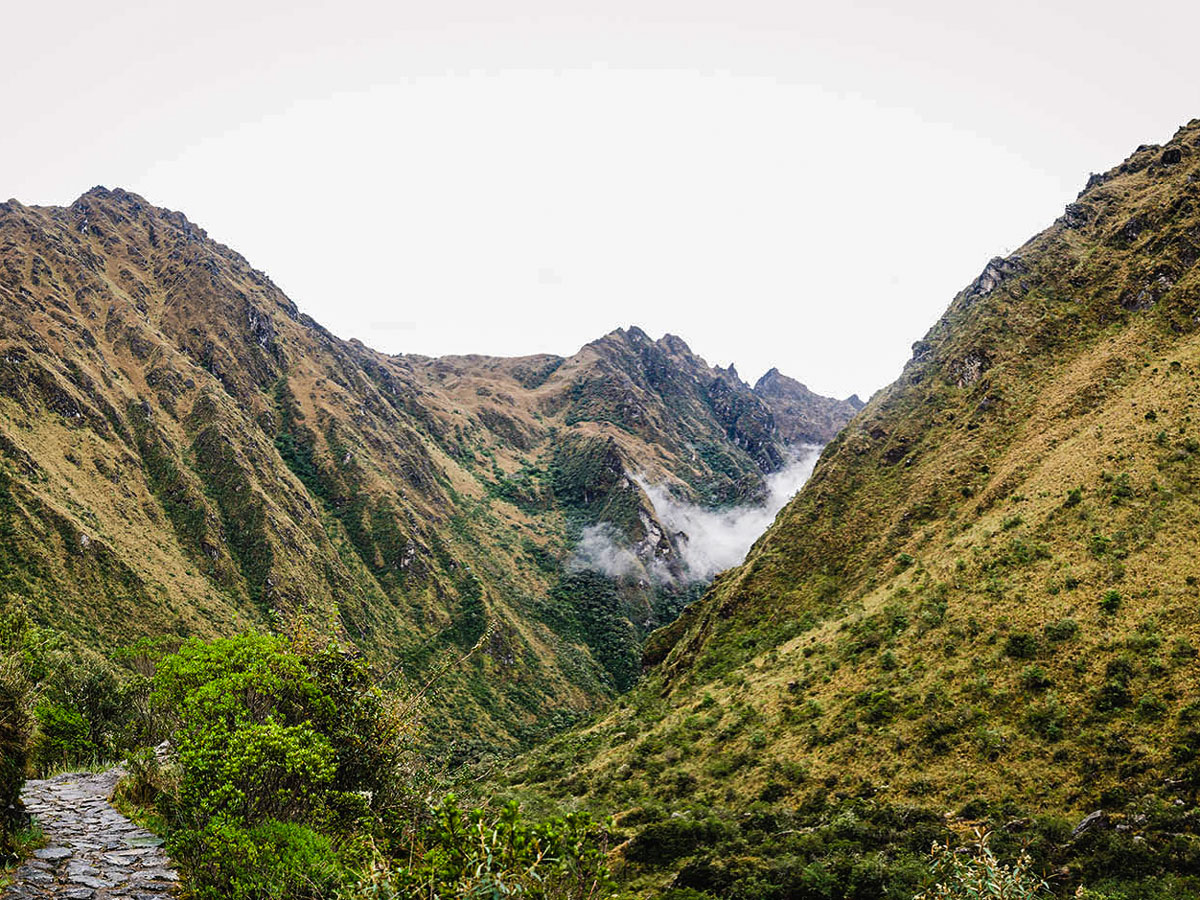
(925, 624)
(183, 452)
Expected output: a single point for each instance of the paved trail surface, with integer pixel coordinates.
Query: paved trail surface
(92, 852)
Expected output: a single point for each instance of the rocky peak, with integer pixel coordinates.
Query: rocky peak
(803, 416)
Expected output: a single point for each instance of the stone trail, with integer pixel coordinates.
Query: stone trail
(92, 852)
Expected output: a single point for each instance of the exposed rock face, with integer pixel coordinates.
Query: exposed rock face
(968, 370)
(1076, 215)
(802, 416)
(995, 273)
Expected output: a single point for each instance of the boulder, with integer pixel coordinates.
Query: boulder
(1091, 822)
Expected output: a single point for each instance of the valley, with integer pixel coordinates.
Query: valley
(355, 589)
(186, 453)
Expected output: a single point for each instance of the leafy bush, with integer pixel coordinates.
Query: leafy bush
(1047, 720)
(1062, 630)
(1034, 678)
(15, 730)
(664, 841)
(144, 780)
(295, 778)
(269, 860)
(281, 745)
(1021, 645)
(87, 708)
(979, 875)
(1111, 601)
(586, 606)
(63, 737)
(469, 853)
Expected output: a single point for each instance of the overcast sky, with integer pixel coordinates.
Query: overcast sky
(797, 184)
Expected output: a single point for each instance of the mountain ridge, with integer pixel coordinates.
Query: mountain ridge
(186, 452)
(981, 610)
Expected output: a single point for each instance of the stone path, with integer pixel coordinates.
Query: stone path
(92, 852)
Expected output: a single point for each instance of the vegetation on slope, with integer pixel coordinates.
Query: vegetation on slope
(183, 452)
(984, 602)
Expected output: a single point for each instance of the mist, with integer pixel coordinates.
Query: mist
(717, 539)
(601, 548)
(709, 540)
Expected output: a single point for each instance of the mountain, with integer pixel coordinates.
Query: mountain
(982, 609)
(184, 452)
(802, 416)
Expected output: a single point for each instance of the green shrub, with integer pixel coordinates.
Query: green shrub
(62, 739)
(662, 842)
(1150, 708)
(1111, 601)
(16, 723)
(270, 772)
(1034, 678)
(142, 783)
(1021, 645)
(1047, 720)
(88, 708)
(979, 875)
(471, 853)
(282, 746)
(275, 860)
(1062, 630)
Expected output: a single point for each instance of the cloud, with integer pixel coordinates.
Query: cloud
(708, 540)
(602, 549)
(713, 540)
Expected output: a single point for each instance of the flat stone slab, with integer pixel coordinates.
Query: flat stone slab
(92, 852)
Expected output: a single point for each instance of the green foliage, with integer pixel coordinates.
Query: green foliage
(1021, 645)
(1062, 630)
(296, 443)
(294, 779)
(663, 842)
(1047, 719)
(83, 707)
(63, 737)
(523, 490)
(587, 476)
(180, 500)
(271, 859)
(1034, 678)
(143, 781)
(243, 511)
(281, 745)
(857, 848)
(981, 876)
(1115, 692)
(15, 732)
(471, 853)
(586, 606)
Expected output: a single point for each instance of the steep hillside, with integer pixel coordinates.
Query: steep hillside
(184, 452)
(985, 601)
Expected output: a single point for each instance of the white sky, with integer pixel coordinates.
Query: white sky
(796, 184)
